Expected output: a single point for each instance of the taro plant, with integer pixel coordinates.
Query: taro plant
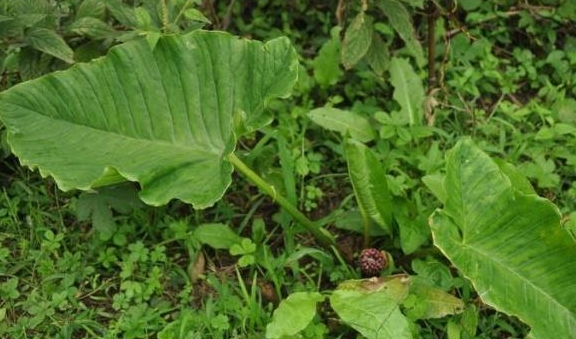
(165, 113)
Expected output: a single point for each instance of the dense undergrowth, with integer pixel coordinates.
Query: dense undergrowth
(104, 265)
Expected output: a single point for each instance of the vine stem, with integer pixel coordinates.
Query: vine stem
(321, 234)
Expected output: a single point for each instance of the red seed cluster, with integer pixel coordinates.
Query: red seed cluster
(371, 262)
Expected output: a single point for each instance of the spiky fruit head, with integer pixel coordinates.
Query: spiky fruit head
(372, 262)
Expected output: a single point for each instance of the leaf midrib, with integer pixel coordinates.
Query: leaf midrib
(347, 127)
(490, 258)
(186, 147)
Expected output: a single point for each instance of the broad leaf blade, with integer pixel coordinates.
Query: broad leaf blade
(378, 56)
(162, 117)
(345, 122)
(91, 8)
(375, 315)
(408, 90)
(431, 302)
(357, 40)
(293, 314)
(91, 27)
(508, 243)
(49, 42)
(369, 182)
(218, 236)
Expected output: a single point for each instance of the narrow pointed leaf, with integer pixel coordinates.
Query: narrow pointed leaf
(369, 182)
(508, 243)
(399, 18)
(345, 122)
(163, 117)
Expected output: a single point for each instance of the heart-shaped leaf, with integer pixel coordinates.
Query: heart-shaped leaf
(508, 242)
(164, 116)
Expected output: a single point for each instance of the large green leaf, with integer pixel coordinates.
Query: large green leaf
(508, 242)
(163, 117)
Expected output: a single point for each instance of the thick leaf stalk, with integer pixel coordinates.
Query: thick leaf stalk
(321, 234)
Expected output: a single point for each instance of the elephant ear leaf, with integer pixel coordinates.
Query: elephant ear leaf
(508, 242)
(166, 117)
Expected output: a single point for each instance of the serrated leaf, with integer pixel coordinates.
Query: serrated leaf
(378, 56)
(508, 243)
(196, 15)
(161, 117)
(217, 236)
(345, 122)
(293, 314)
(49, 42)
(91, 27)
(399, 19)
(369, 182)
(374, 315)
(408, 90)
(30, 19)
(91, 8)
(357, 40)
(123, 13)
